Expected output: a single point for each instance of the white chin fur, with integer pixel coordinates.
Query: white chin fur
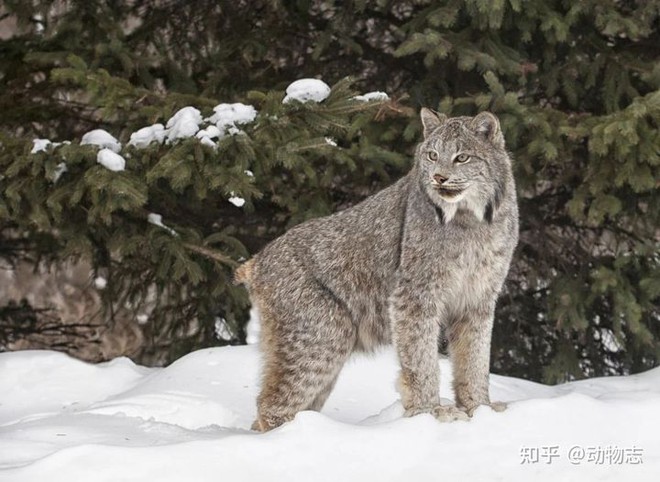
(451, 205)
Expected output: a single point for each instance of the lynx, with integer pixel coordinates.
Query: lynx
(428, 253)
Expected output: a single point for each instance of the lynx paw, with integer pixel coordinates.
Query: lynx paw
(444, 413)
(449, 413)
(496, 406)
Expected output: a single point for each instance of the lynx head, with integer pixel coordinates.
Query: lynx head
(463, 163)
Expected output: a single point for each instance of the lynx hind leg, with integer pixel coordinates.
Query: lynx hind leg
(323, 395)
(304, 351)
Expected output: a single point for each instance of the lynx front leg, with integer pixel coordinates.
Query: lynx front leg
(415, 332)
(469, 348)
(417, 347)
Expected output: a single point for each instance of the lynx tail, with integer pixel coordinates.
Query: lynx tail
(243, 273)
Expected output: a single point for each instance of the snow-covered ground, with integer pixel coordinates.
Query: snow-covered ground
(64, 420)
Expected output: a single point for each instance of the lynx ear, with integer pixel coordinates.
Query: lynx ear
(487, 125)
(431, 120)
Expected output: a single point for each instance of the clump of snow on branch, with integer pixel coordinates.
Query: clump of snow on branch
(207, 141)
(157, 220)
(212, 132)
(372, 96)
(305, 90)
(145, 136)
(100, 282)
(188, 122)
(60, 169)
(237, 201)
(185, 123)
(207, 135)
(226, 117)
(111, 160)
(102, 139)
(40, 145)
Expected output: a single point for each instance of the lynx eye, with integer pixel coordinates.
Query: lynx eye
(432, 156)
(461, 159)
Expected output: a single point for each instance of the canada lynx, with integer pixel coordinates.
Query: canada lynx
(429, 252)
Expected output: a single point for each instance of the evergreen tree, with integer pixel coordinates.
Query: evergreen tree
(575, 85)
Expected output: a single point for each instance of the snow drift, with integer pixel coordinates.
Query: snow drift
(61, 419)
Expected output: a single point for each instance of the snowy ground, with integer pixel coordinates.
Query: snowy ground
(63, 420)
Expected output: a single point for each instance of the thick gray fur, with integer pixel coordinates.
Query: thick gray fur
(430, 251)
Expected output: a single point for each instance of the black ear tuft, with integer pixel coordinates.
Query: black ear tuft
(431, 120)
(487, 125)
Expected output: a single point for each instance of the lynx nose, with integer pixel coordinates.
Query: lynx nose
(439, 178)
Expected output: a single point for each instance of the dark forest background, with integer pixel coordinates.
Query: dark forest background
(574, 83)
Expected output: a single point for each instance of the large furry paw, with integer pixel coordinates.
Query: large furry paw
(444, 413)
(496, 406)
(264, 423)
(449, 413)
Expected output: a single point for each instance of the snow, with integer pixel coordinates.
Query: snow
(207, 141)
(222, 331)
(102, 139)
(253, 328)
(372, 96)
(212, 132)
(42, 382)
(609, 340)
(157, 220)
(100, 283)
(305, 90)
(40, 145)
(233, 130)
(111, 160)
(145, 136)
(237, 201)
(185, 123)
(207, 135)
(227, 116)
(39, 23)
(60, 169)
(64, 420)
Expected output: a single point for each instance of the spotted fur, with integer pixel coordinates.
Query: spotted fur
(412, 259)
